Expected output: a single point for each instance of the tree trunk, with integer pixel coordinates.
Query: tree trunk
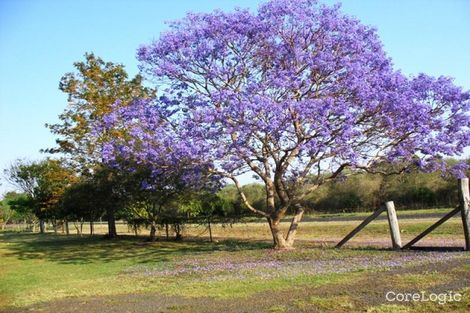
(153, 232)
(112, 233)
(67, 230)
(54, 225)
(76, 224)
(279, 242)
(42, 226)
(299, 212)
(92, 229)
(166, 231)
(210, 229)
(178, 235)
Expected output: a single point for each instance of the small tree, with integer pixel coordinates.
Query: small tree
(210, 205)
(151, 195)
(17, 208)
(44, 182)
(23, 208)
(84, 201)
(7, 213)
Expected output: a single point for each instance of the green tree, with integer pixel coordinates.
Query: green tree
(44, 183)
(6, 211)
(17, 207)
(254, 192)
(150, 198)
(82, 201)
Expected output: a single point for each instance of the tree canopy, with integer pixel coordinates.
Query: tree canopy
(296, 93)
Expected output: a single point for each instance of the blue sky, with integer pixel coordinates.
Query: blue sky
(40, 40)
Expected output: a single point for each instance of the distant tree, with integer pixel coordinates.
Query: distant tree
(152, 198)
(205, 206)
(92, 92)
(44, 182)
(361, 191)
(7, 213)
(230, 195)
(416, 190)
(412, 189)
(256, 194)
(23, 206)
(213, 205)
(84, 201)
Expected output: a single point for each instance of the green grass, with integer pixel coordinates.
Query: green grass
(389, 308)
(83, 263)
(40, 268)
(247, 286)
(37, 268)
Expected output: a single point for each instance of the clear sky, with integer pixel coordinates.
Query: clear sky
(40, 40)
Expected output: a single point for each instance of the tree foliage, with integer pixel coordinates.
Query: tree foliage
(92, 91)
(44, 183)
(298, 94)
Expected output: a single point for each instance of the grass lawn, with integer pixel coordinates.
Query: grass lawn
(37, 269)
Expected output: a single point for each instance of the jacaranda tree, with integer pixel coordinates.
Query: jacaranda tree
(296, 93)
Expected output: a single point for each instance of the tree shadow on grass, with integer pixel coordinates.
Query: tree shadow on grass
(74, 249)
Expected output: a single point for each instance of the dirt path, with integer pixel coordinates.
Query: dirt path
(369, 289)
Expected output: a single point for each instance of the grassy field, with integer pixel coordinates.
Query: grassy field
(239, 272)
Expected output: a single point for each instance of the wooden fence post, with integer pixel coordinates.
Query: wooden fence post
(464, 202)
(394, 227)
